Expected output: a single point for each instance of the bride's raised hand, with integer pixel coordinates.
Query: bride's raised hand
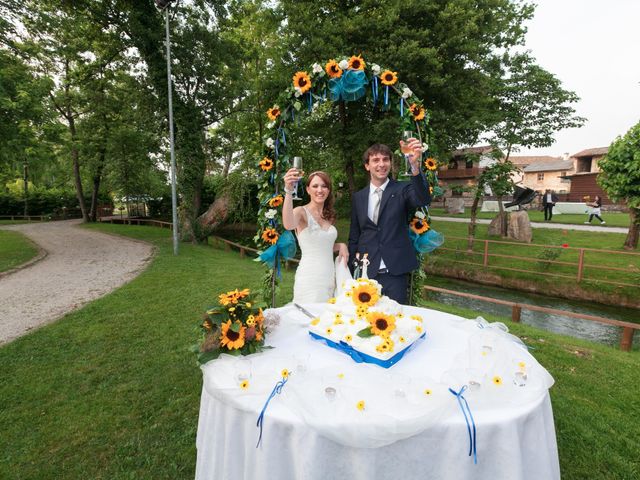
(290, 178)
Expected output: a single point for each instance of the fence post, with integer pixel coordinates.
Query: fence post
(627, 339)
(580, 265)
(485, 257)
(516, 310)
(242, 253)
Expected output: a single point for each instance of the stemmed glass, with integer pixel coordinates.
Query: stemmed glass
(297, 164)
(406, 150)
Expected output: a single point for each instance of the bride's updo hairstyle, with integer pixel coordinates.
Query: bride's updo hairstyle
(328, 213)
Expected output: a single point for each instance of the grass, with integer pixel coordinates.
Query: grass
(613, 219)
(112, 392)
(15, 249)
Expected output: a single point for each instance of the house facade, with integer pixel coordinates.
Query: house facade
(584, 177)
(549, 174)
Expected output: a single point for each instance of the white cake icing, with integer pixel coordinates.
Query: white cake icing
(361, 305)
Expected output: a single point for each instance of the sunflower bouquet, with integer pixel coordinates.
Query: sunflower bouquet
(235, 326)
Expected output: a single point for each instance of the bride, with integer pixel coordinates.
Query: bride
(313, 224)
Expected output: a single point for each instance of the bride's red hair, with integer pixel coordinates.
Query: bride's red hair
(328, 213)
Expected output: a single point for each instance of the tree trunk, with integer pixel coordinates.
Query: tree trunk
(97, 179)
(631, 242)
(75, 157)
(474, 217)
(504, 222)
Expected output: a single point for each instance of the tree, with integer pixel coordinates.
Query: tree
(620, 178)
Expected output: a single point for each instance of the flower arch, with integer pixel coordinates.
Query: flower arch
(345, 79)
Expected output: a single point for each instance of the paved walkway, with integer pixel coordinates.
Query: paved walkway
(557, 226)
(81, 265)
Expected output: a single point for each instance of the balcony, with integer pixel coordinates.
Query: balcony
(459, 173)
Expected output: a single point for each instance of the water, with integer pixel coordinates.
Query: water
(584, 329)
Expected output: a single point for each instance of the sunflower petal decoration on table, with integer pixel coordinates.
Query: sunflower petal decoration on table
(235, 325)
(346, 78)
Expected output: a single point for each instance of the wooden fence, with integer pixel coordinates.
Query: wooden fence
(628, 262)
(626, 341)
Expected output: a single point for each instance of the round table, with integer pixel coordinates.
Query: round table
(311, 434)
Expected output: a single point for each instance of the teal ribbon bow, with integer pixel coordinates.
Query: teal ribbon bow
(426, 242)
(349, 87)
(284, 248)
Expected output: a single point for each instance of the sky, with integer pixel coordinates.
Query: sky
(593, 47)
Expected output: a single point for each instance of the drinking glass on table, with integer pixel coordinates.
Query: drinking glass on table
(406, 151)
(297, 164)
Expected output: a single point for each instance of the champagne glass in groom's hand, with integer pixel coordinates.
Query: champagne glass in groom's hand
(406, 150)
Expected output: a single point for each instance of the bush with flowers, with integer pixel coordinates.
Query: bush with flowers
(344, 79)
(235, 326)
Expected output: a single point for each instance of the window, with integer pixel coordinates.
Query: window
(541, 177)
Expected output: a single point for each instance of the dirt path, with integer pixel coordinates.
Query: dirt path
(81, 265)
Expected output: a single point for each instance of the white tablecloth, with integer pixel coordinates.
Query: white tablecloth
(332, 439)
(558, 209)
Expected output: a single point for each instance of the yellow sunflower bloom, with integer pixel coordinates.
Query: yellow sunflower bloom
(497, 380)
(332, 69)
(244, 385)
(273, 113)
(419, 225)
(431, 163)
(385, 346)
(230, 339)
(276, 201)
(381, 324)
(329, 331)
(522, 365)
(315, 321)
(427, 391)
(360, 405)
(417, 111)
(251, 320)
(364, 295)
(388, 77)
(348, 338)
(357, 63)
(302, 81)
(419, 329)
(266, 164)
(270, 236)
(285, 373)
(331, 301)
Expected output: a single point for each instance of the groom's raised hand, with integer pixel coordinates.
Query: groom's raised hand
(415, 156)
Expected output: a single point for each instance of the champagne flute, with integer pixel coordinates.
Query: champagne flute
(406, 150)
(297, 164)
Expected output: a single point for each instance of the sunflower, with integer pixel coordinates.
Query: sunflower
(276, 201)
(273, 113)
(315, 321)
(284, 373)
(266, 164)
(497, 380)
(332, 300)
(388, 77)
(357, 63)
(431, 163)
(332, 69)
(418, 225)
(385, 346)
(427, 391)
(232, 297)
(251, 320)
(302, 82)
(364, 295)
(417, 111)
(230, 339)
(381, 324)
(360, 405)
(270, 235)
(244, 385)
(348, 338)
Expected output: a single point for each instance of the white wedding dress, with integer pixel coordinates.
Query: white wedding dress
(315, 277)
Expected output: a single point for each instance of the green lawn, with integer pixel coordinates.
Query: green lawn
(612, 219)
(112, 391)
(15, 249)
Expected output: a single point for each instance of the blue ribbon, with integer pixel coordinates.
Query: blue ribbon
(464, 406)
(283, 136)
(360, 357)
(386, 95)
(426, 242)
(374, 90)
(276, 390)
(285, 248)
(401, 107)
(277, 143)
(310, 102)
(349, 87)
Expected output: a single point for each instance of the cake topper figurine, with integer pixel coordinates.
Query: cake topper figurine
(356, 266)
(365, 263)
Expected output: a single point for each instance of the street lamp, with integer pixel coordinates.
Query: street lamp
(162, 5)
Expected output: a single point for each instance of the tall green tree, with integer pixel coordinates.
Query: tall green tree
(620, 178)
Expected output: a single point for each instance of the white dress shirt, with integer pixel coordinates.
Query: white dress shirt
(371, 205)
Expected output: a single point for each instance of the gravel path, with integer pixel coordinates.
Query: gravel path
(81, 265)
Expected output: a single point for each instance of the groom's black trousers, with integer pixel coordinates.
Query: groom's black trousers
(394, 286)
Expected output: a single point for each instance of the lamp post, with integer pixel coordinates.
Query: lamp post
(162, 5)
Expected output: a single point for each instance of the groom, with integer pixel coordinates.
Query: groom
(379, 216)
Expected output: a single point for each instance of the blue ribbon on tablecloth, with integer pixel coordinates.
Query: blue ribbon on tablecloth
(276, 390)
(284, 248)
(471, 427)
(360, 357)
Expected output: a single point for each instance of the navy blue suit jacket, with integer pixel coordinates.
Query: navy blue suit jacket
(389, 239)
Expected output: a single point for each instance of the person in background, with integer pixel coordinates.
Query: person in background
(549, 200)
(595, 210)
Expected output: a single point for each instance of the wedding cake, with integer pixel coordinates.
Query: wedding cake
(368, 326)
